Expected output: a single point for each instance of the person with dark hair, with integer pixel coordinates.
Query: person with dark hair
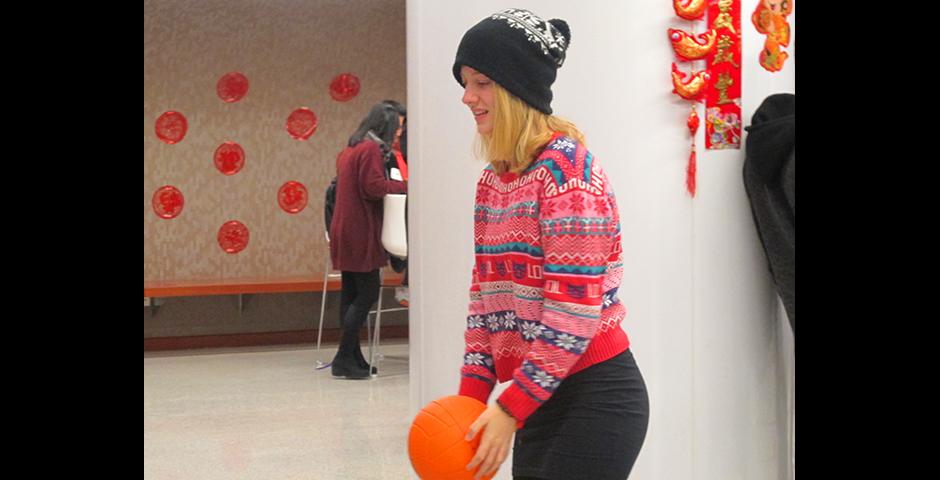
(400, 145)
(398, 107)
(543, 311)
(398, 166)
(356, 230)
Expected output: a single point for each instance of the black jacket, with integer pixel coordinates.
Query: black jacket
(769, 179)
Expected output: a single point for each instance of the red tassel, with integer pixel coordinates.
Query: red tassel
(690, 174)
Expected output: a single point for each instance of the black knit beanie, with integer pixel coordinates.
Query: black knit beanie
(519, 51)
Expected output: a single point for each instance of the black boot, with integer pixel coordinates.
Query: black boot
(345, 363)
(362, 363)
(345, 366)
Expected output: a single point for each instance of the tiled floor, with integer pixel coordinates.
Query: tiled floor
(266, 413)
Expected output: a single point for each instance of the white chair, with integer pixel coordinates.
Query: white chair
(394, 231)
(395, 241)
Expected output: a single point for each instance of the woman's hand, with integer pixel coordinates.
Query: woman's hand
(498, 428)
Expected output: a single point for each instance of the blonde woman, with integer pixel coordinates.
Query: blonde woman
(544, 312)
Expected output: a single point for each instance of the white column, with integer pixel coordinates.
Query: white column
(701, 307)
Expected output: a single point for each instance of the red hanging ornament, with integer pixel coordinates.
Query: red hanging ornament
(723, 96)
(171, 127)
(233, 236)
(687, 48)
(167, 202)
(229, 158)
(770, 18)
(344, 87)
(232, 87)
(693, 123)
(694, 88)
(692, 10)
(302, 123)
(292, 197)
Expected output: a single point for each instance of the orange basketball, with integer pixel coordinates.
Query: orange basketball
(436, 442)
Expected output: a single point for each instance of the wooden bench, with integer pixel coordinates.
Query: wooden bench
(155, 290)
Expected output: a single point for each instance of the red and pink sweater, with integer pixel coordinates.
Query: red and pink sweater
(548, 263)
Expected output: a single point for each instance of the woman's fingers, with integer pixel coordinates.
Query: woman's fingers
(488, 463)
(482, 456)
(474, 428)
(477, 458)
(481, 450)
(491, 452)
(503, 454)
(500, 457)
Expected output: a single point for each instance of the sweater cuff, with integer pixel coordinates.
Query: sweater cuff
(518, 402)
(519, 423)
(475, 388)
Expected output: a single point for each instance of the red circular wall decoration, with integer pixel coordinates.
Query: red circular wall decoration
(171, 127)
(301, 123)
(233, 236)
(292, 197)
(229, 158)
(167, 202)
(232, 87)
(344, 87)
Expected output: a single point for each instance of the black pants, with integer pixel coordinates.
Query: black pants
(592, 427)
(360, 292)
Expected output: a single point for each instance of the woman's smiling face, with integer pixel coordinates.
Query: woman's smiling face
(478, 95)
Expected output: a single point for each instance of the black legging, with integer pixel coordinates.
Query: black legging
(360, 292)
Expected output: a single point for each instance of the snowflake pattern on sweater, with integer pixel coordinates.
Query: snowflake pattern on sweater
(548, 264)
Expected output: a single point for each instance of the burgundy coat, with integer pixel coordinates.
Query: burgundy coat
(356, 229)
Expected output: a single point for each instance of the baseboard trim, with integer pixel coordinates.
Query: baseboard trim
(299, 337)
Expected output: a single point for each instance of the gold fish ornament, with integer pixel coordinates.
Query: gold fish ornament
(770, 18)
(688, 48)
(694, 88)
(771, 57)
(692, 10)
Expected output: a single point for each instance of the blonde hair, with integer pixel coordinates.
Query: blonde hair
(519, 133)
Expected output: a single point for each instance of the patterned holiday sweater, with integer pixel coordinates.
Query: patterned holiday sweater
(548, 262)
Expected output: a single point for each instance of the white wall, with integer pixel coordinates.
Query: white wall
(702, 312)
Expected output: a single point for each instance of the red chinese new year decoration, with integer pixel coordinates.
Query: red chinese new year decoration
(292, 197)
(233, 236)
(229, 158)
(770, 18)
(692, 86)
(692, 123)
(171, 127)
(167, 202)
(692, 10)
(691, 168)
(723, 94)
(686, 46)
(232, 87)
(344, 87)
(301, 123)
(691, 89)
